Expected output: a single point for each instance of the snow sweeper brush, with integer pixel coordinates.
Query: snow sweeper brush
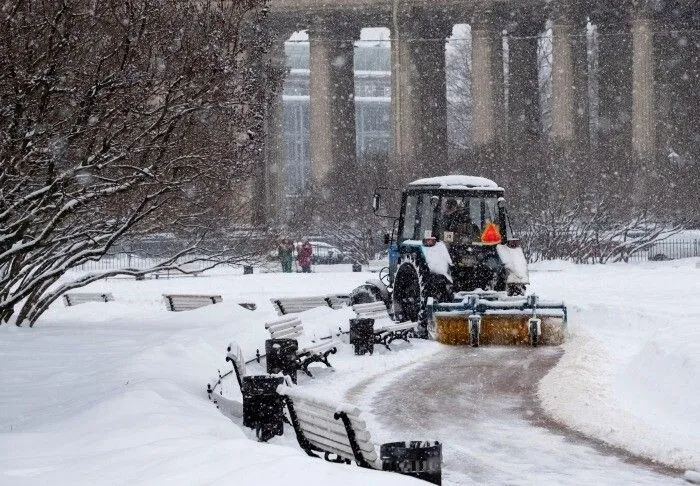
(482, 319)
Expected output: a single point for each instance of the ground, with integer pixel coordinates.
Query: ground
(115, 393)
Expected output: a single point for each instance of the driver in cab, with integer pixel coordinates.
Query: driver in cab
(457, 226)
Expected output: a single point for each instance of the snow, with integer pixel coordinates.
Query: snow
(114, 393)
(458, 182)
(438, 259)
(514, 261)
(630, 375)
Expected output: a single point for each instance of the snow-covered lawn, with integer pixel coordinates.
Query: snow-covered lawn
(115, 393)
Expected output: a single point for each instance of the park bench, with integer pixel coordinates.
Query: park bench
(311, 351)
(294, 305)
(75, 298)
(385, 329)
(336, 430)
(185, 302)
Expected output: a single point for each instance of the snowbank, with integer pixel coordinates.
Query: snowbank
(631, 372)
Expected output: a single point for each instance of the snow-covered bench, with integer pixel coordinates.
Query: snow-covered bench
(310, 351)
(385, 329)
(336, 430)
(294, 305)
(75, 298)
(185, 302)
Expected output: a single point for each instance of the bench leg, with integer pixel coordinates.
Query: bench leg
(384, 341)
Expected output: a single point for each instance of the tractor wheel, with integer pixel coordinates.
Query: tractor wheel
(412, 286)
(365, 294)
(516, 289)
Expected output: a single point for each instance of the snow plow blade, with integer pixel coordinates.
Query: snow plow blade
(480, 321)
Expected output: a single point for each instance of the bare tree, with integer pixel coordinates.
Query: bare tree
(118, 119)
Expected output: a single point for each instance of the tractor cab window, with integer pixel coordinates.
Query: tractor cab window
(426, 212)
(463, 220)
(411, 221)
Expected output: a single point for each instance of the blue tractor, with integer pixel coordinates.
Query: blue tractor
(452, 238)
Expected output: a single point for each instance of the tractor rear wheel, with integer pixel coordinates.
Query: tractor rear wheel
(365, 294)
(413, 285)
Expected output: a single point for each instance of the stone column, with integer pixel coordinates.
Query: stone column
(643, 121)
(418, 96)
(332, 96)
(487, 86)
(563, 82)
(524, 120)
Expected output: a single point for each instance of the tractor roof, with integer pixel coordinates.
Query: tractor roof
(458, 182)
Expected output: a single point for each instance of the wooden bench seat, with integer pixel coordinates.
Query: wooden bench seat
(386, 329)
(185, 302)
(75, 298)
(308, 351)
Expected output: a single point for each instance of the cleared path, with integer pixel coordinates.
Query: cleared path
(481, 404)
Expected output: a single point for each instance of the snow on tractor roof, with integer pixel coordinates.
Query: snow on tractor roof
(457, 182)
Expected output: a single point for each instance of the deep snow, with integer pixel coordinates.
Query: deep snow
(114, 393)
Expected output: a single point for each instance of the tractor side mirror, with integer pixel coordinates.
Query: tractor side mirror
(387, 238)
(434, 201)
(376, 202)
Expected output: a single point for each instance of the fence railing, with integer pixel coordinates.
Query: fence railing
(668, 250)
(139, 262)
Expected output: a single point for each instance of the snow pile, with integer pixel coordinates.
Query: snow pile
(631, 372)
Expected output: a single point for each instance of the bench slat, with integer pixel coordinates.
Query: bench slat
(310, 403)
(369, 307)
(285, 334)
(278, 326)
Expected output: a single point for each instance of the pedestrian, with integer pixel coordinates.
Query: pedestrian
(304, 254)
(285, 251)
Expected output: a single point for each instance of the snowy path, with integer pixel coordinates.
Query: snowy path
(481, 404)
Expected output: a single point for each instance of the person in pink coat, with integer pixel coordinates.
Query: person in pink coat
(304, 254)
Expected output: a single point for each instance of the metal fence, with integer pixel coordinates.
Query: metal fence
(668, 250)
(135, 261)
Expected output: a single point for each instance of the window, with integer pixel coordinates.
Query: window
(464, 219)
(426, 214)
(410, 222)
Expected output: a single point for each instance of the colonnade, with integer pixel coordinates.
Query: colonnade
(506, 98)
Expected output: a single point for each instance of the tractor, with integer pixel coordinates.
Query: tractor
(452, 252)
